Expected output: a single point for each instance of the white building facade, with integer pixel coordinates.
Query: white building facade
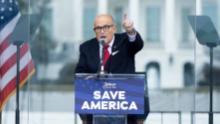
(171, 56)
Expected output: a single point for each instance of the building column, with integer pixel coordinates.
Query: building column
(77, 20)
(199, 48)
(133, 14)
(198, 7)
(170, 39)
(102, 6)
(171, 47)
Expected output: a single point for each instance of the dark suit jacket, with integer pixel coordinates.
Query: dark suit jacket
(123, 61)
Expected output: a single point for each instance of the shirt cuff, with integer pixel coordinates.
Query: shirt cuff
(132, 37)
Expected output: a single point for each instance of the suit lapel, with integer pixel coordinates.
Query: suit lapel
(118, 41)
(95, 52)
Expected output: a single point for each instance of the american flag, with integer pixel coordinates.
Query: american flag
(9, 16)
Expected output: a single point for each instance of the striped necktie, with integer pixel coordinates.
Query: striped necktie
(106, 54)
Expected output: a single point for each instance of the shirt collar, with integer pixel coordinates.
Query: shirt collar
(112, 42)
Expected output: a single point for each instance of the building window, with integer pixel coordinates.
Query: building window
(118, 12)
(188, 74)
(153, 75)
(48, 21)
(153, 24)
(185, 37)
(88, 18)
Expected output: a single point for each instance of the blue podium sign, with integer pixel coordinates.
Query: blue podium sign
(109, 94)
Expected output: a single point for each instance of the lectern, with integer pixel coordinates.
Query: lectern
(110, 97)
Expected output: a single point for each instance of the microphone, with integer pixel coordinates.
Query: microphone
(101, 54)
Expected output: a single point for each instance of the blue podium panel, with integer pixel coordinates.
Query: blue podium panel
(112, 119)
(116, 94)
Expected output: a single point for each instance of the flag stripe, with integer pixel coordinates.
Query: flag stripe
(7, 54)
(4, 45)
(11, 73)
(12, 60)
(9, 28)
(11, 86)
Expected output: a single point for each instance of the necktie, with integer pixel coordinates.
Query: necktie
(106, 54)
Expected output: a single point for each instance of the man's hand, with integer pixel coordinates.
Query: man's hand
(128, 25)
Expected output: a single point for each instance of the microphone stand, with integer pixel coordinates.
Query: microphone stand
(17, 111)
(211, 46)
(207, 35)
(101, 68)
(20, 34)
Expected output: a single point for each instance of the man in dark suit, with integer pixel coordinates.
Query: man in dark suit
(119, 52)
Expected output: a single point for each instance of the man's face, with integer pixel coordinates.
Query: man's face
(104, 28)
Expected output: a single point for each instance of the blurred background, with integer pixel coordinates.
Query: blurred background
(177, 66)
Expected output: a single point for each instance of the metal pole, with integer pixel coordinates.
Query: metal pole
(161, 118)
(0, 117)
(17, 112)
(180, 117)
(192, 117)
(211, 86)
